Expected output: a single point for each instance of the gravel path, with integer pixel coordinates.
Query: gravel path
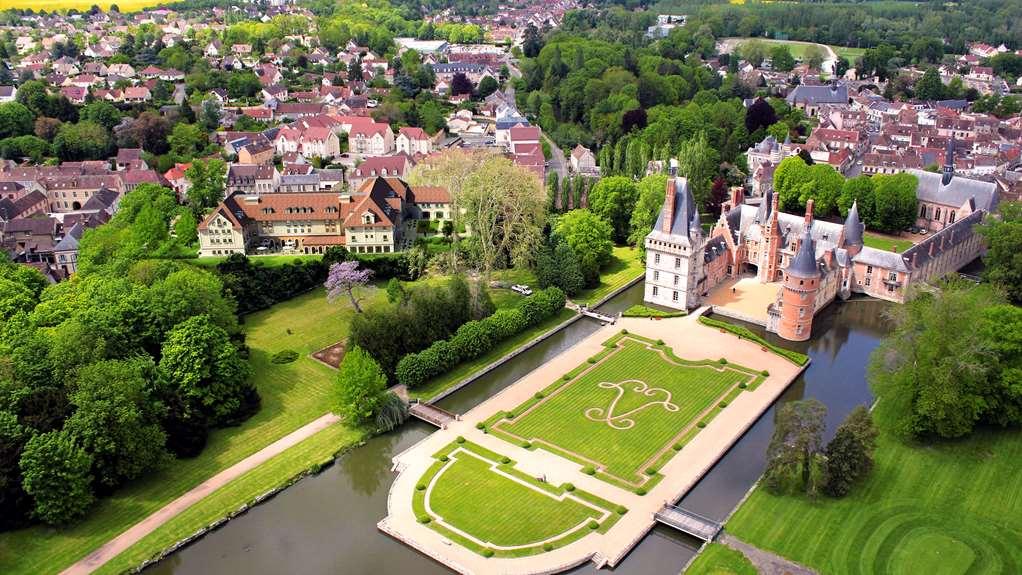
(765, 562)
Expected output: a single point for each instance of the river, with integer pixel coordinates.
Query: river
(327, 523)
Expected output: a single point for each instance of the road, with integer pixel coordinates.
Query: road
(558, 163)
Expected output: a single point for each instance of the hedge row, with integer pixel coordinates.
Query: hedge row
(745, 333)
(475, 338)
(640, 310)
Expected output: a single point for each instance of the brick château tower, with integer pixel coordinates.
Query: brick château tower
(801, 284)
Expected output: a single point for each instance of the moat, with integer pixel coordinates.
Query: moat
(327, 523)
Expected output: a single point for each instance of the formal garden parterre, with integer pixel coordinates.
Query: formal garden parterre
(476, 498)
(626, 411)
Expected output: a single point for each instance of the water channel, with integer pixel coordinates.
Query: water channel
(327, 524)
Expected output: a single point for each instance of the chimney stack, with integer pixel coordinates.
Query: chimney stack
(809, 213)
(669, 196)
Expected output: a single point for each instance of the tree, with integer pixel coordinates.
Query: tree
(57, 475)
(149, 131)
(781, 58)
(46, 128)
(82, 141)
(15, 120)
(344, 279)
(814, 57)
(929, 86)
(30, 147)
(487, 86)
(362, 386)
(858, 189)
(186, 140)
(798, 436)
(1003, 259)
(698, 162)
(613, 199)
(760, 115)
(936, 381)
(589, 236)
(849, 455)
(355, 70)
(208, 185)
(15, 504)
(651, 192)
(115, 421)
(531, 42)
(895, 197)
(210, 113)
(243, 85)
(504, 205)
(460, 84)
(201, 365)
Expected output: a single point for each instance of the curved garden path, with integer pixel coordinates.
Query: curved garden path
(115, 546)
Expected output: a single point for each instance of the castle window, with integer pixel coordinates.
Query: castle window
(867, 282)
(656, 275)
(798, 329)
(656, 258)
(922, 211)
(655, 291)
(675, 279)
(869, 269)
(936, 214)
(675, 296)
(677, 262)
(801, 313)
(951, 217)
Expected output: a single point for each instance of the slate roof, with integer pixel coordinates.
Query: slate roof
(816, 95)
(956, 192)
(803, 265)
(683, 216)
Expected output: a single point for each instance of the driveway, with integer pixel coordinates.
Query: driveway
(558, 163)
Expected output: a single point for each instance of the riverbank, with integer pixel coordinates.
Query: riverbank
(303, 324)
(946, 507)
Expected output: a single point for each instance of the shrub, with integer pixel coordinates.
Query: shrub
(723, 361)
(640, 310)
(471, 340)
(487, 552)
(640, 491)
(745, 333)
(621, 510)
(505, 460)
(566, 377)
(444, 458)
(765, 373)
(624, 332)
(651, 471)
(678, 446)
(526, 444)
(284, 356)
(659, 342)
(569, 487)
(420, 487)
(460, 439)
(701, 424)
(594, 525)
(589, 470)
(509, 415)
(424, 519)
(505, 322)
(743, 385)
(480, 425)
(548, 547)
(722, 404)
(591, 360)
(539, 395)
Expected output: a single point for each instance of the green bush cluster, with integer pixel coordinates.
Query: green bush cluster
(285, 356)
(475, 338)
(745, 333)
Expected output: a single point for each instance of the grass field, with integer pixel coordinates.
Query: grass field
(268, 261)
(481, 501)
(61, 5)
(719, 559)
(625, 412)
(292, 394)
(798, 50)
(947, 508)
(884, 242)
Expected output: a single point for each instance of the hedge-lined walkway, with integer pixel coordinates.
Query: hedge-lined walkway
(690, 341)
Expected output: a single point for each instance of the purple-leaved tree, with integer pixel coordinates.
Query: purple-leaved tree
(344, 278)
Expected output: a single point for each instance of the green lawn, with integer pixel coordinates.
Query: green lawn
(885, 242)
(624, 266)
(799, 50)
(719, 559)
(292, 395)
(481, 501)
(947, 508)
(626, 412)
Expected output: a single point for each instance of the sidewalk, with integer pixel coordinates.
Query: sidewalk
(115, 546)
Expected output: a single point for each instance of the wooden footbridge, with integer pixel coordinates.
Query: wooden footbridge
(586, 311)
(432, 414)
(688, 522)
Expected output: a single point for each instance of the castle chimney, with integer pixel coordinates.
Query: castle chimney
(809, 213)
(737, 195)
(931, 249)
(669, 196)
(914, 255)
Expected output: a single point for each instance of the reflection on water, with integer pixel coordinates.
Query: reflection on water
(327, 524)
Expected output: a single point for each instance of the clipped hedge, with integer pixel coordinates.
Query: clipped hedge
(640, 310)
(745, 333)
(475, 338)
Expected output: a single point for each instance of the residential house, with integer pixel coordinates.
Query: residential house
(583, 161)
(413, 141)
(374, 139)
(252, 179)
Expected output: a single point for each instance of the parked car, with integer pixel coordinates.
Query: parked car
(522, 289)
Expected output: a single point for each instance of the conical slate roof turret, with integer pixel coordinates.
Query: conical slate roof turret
(804, 263)
(853, 226)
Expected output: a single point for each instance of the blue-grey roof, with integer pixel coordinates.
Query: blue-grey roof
(853, 226)
(815, 95)
(803, 265)
(685, 218)
(956, 192)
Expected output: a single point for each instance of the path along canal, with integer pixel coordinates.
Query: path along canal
(327, 524)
